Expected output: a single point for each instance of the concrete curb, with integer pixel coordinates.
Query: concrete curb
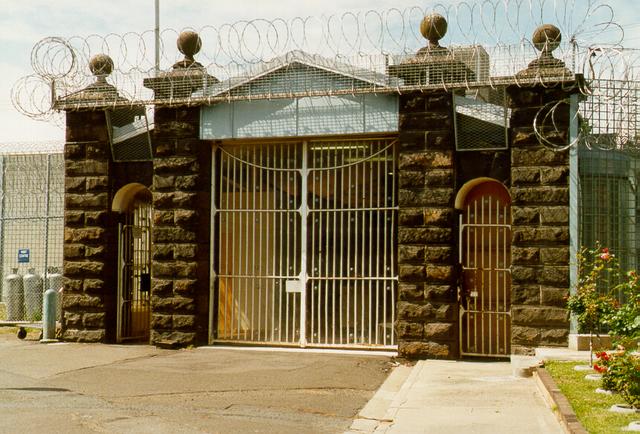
(378, 413)
(557, 401)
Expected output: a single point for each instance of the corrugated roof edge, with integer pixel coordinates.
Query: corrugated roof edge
(39, 147)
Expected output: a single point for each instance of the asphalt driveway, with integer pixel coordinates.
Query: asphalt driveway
(80, 388)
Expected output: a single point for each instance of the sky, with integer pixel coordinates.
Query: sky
(24, 23)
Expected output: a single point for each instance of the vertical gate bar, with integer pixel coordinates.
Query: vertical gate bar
(490, 272)
(362, 249)
(318, 206)
(235, 294)
(475, 265)
(477, 281)
(385, 216)
(393, 266)
(505, 276)
(313, 262)
(334, 215)
(324, 188)
(251, 218)
(377, 248)
(242, 259)
(249, 311)
(497, 275)
(482, 258)
(370, 243)
(212, 235)
(348, 268)
(304, 212)
(120, 289)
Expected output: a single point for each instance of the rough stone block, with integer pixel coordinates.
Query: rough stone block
(426, 160)
(540, 195)
(439, 292)
(432, 350)
(410, 217)
(525, 175)
(412, 311)
(523, 335)
(550, 296)
(93, 285)
(523, 274)
(409, 330)
(440, 273)
(161, 252)
(97, 183)
(172, 304)
(83, 269)
(174, 269)
(160, 321)
(440, 216)
(446, 312)
(163, 218)
(187, 183)
(439, 255)
(411, 253)
(184, 322)
(173, 235)
(410, 291)
(94, 320)
(539, 156)
(527, 234)
(161, 286)
(173, 338)
(440, 331)
(185, 217)
(73, 251)
(176, 165)
(439, 178)
(85, 201)
(555, 255)
(554, 215)
(525, 255)
(525, 215)
(185, 286)
(428, 236)
(554, 175)
(84, 235)
(95, 252)
(185, 251)
(546, 316)
(525, 294)
(554, 276)
(86, 168)
(96, 218)
(74, 184)
(73, 218)
(554, 336)
(415, 273)
(411, 179)
(71, 301)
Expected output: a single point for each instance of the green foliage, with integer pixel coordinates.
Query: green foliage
(591, 302)
(624, 320)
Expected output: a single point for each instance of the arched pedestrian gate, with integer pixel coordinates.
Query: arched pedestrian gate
(305, 235)
(485, 254)
(134, 263)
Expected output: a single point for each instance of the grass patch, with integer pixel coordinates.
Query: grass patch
(591, 408)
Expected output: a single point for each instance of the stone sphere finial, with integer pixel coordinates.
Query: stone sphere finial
(189, 43)
(101, 65)
(546, 38)
(433, 27)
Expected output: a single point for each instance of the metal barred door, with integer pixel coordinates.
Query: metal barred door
(485, 252)
(134, 275)
(305, 243)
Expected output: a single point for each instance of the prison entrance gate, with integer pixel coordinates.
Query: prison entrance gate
(485, 254)
(134, 271)
(306, 243)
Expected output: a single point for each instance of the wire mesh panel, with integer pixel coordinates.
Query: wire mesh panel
(485, 252)
(306, 243)
(481, 119)
(31, 231)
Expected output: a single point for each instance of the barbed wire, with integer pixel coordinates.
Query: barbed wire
(488, 41)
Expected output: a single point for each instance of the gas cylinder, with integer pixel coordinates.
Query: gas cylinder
(54, 281)
(33, 290)
(13, 296)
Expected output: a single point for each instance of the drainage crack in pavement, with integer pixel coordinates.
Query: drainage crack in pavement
(268, 389)
(104, 365)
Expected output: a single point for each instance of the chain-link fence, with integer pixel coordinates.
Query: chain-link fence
(31, 231)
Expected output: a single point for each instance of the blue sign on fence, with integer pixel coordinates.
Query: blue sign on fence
(23, 256)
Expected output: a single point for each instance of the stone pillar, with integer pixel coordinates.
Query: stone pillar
(89, 238)
(427, 309)
(540, 213)
(182, 209)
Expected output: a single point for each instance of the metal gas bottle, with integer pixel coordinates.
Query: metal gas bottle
(13, 296)
(33, 290)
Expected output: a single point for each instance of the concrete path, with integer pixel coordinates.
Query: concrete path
(457, 397)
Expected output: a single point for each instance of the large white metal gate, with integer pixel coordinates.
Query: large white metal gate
(485, 253)
(134, 274)
(305, 235)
